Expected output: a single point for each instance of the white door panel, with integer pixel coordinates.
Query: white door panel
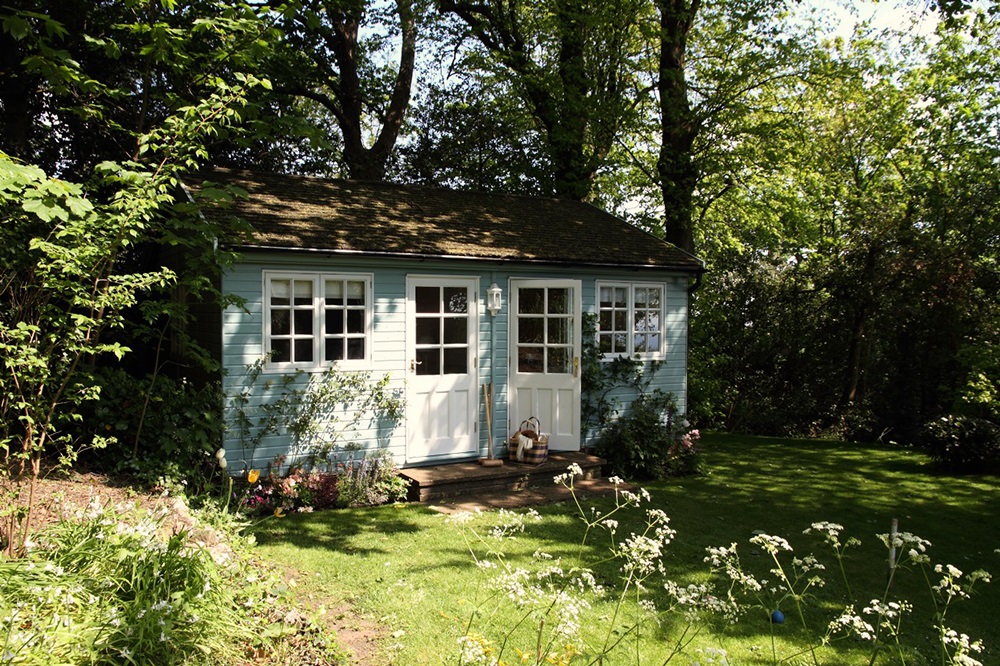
(442, 379)
(545, 358)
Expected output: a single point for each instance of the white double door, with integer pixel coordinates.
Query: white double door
(544, 347)
(442, 384)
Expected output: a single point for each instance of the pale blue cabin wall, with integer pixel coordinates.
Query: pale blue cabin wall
(242, 334)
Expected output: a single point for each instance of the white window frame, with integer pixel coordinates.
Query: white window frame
(318, 332)
(630, 308)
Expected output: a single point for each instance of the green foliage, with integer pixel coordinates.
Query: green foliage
(371, 481)
(364, 479)
(535, 606)
(649, 441)
(395, 553)
(162, 428)
(125, 586)
(860, 303)
(102, 589)
(962, 443)
(600, 379)
(71, 273)
(298, 489)
(638, 430)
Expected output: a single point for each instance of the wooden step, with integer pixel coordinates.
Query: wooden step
(468, 479)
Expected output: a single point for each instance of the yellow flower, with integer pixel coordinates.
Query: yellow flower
(253, 475)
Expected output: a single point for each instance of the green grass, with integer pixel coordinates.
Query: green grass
(404, 566)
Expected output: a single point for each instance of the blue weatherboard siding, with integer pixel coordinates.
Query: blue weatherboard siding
(242, 334)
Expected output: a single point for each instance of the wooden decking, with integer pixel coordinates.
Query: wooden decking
(469, 485)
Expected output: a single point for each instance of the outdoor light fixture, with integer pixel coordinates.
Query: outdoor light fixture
(494, 299)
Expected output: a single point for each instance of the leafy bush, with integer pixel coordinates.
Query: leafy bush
(649, 441)
(372, 480)
(963, 443)
(127, 586)
(301, 488)
(164, 428)
(101, 589)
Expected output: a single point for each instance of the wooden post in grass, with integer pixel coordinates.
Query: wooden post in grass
(893, 531)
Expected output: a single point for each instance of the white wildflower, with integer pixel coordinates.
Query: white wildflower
(771, 544)
(851, 623)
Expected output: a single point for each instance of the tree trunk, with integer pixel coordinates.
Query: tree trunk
(675, 167)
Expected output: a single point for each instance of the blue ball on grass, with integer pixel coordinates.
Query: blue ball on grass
(777, 617)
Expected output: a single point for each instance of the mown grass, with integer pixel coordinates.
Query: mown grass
(406, 567)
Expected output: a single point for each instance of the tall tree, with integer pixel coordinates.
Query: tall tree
(574, 64)
(82, 79)
(334, 54)
(679, 127)
(859, 306)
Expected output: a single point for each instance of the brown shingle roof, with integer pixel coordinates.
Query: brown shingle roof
(303, 213)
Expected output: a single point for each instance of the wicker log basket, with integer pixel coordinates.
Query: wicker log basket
(529, 445)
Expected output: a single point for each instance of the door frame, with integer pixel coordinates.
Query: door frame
(472, 448)
(557, 442)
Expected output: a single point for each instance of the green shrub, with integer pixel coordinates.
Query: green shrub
(127, 586)
(963, 443)
(298, 489)
(370, 481)
(649, 441)
(164, 429)
(102, 589)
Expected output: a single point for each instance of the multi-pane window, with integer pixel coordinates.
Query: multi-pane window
(317, 319)
(442, 330)
(545, 330)
(630, 319)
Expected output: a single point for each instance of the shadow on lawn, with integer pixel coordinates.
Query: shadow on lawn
(776, 486)
(337, 530)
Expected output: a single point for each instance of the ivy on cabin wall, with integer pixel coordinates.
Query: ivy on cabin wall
(600, 379)
(321, 412)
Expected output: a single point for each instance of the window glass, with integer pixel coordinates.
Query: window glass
(530, 329)
(303, 351)
(334, 292)
(334, 349)
(281, 323)
(559, 360)
(630, 319)
(456, 330)
(281, 292)
(303, 292)
(355, 293)
(356, 349)
(558, 301)
(355, 321)
(281, 351)
(558, 331)
(429, 361)
(307, 331)
(531, 301)
(530, 359)
(456, 361)
(456, 300)
(428, 299)
(428, 331)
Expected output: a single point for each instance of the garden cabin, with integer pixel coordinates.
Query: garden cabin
(445, 294)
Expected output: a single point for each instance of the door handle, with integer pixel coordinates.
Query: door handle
(576, 366)
(413, 364)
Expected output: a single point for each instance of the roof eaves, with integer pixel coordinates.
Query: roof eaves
(686, 268)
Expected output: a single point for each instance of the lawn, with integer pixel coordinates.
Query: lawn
(409, 568)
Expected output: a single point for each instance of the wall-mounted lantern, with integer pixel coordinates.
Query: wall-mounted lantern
(494, 299)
